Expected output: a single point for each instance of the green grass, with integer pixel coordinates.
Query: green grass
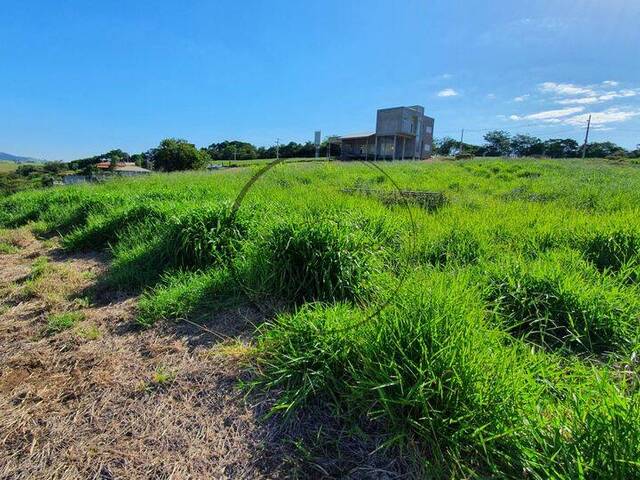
(509, 344)
(39, 267)
(8, 248)
(62, 321)
(90, 332)
(558, 301)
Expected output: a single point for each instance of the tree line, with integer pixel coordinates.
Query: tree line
(174, 154)
(499, 143)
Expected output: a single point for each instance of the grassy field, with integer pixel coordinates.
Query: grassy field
(508, 342)
(6, 167)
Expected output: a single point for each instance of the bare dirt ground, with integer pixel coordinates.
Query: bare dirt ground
(104, 399)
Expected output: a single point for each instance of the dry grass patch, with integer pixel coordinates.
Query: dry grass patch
(104, 399)
(20, 238)
(57, 284)
(71, 401)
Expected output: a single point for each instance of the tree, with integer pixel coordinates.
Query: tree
(141, 160)
(604, 150)
(445, 146)
(115, 157)
(26, 170)
(472, 149)
(175, 154)
(526, 145)
(561, 148)
(227, 150)
(498, 143)
(55, 168)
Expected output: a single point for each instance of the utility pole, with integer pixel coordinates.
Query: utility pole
(277, 149)
(462, 141)
(317, 140)
(586, 138)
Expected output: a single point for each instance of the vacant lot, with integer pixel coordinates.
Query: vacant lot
(495, 334)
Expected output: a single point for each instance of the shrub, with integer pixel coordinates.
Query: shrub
(176, 154)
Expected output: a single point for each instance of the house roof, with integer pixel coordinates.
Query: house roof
(132, 168)
(107, 165)
(357, 135)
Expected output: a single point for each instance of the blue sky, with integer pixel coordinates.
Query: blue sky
(79, 78)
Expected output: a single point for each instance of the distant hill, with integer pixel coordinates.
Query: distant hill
(17, 159)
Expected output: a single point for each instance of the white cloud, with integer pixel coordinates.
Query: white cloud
(448, 92)
(579, 101)
(521, 98)
(551, 116)
(575, 100)
(611, 115)
(621, 94)
(491, 96)
(573, 94)
(565, 89)
(604, 97)
(567, 116)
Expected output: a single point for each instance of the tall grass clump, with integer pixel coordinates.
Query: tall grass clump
(206, 235)
(439, 376)
(104, 228)
(558, 302)
(21, 208)
(324, 258)
(595, 432)
(612, 249)
(458, 245)
(183, 294)
(61, 218)
(303, 355)
(429, 367)
(192, 239)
